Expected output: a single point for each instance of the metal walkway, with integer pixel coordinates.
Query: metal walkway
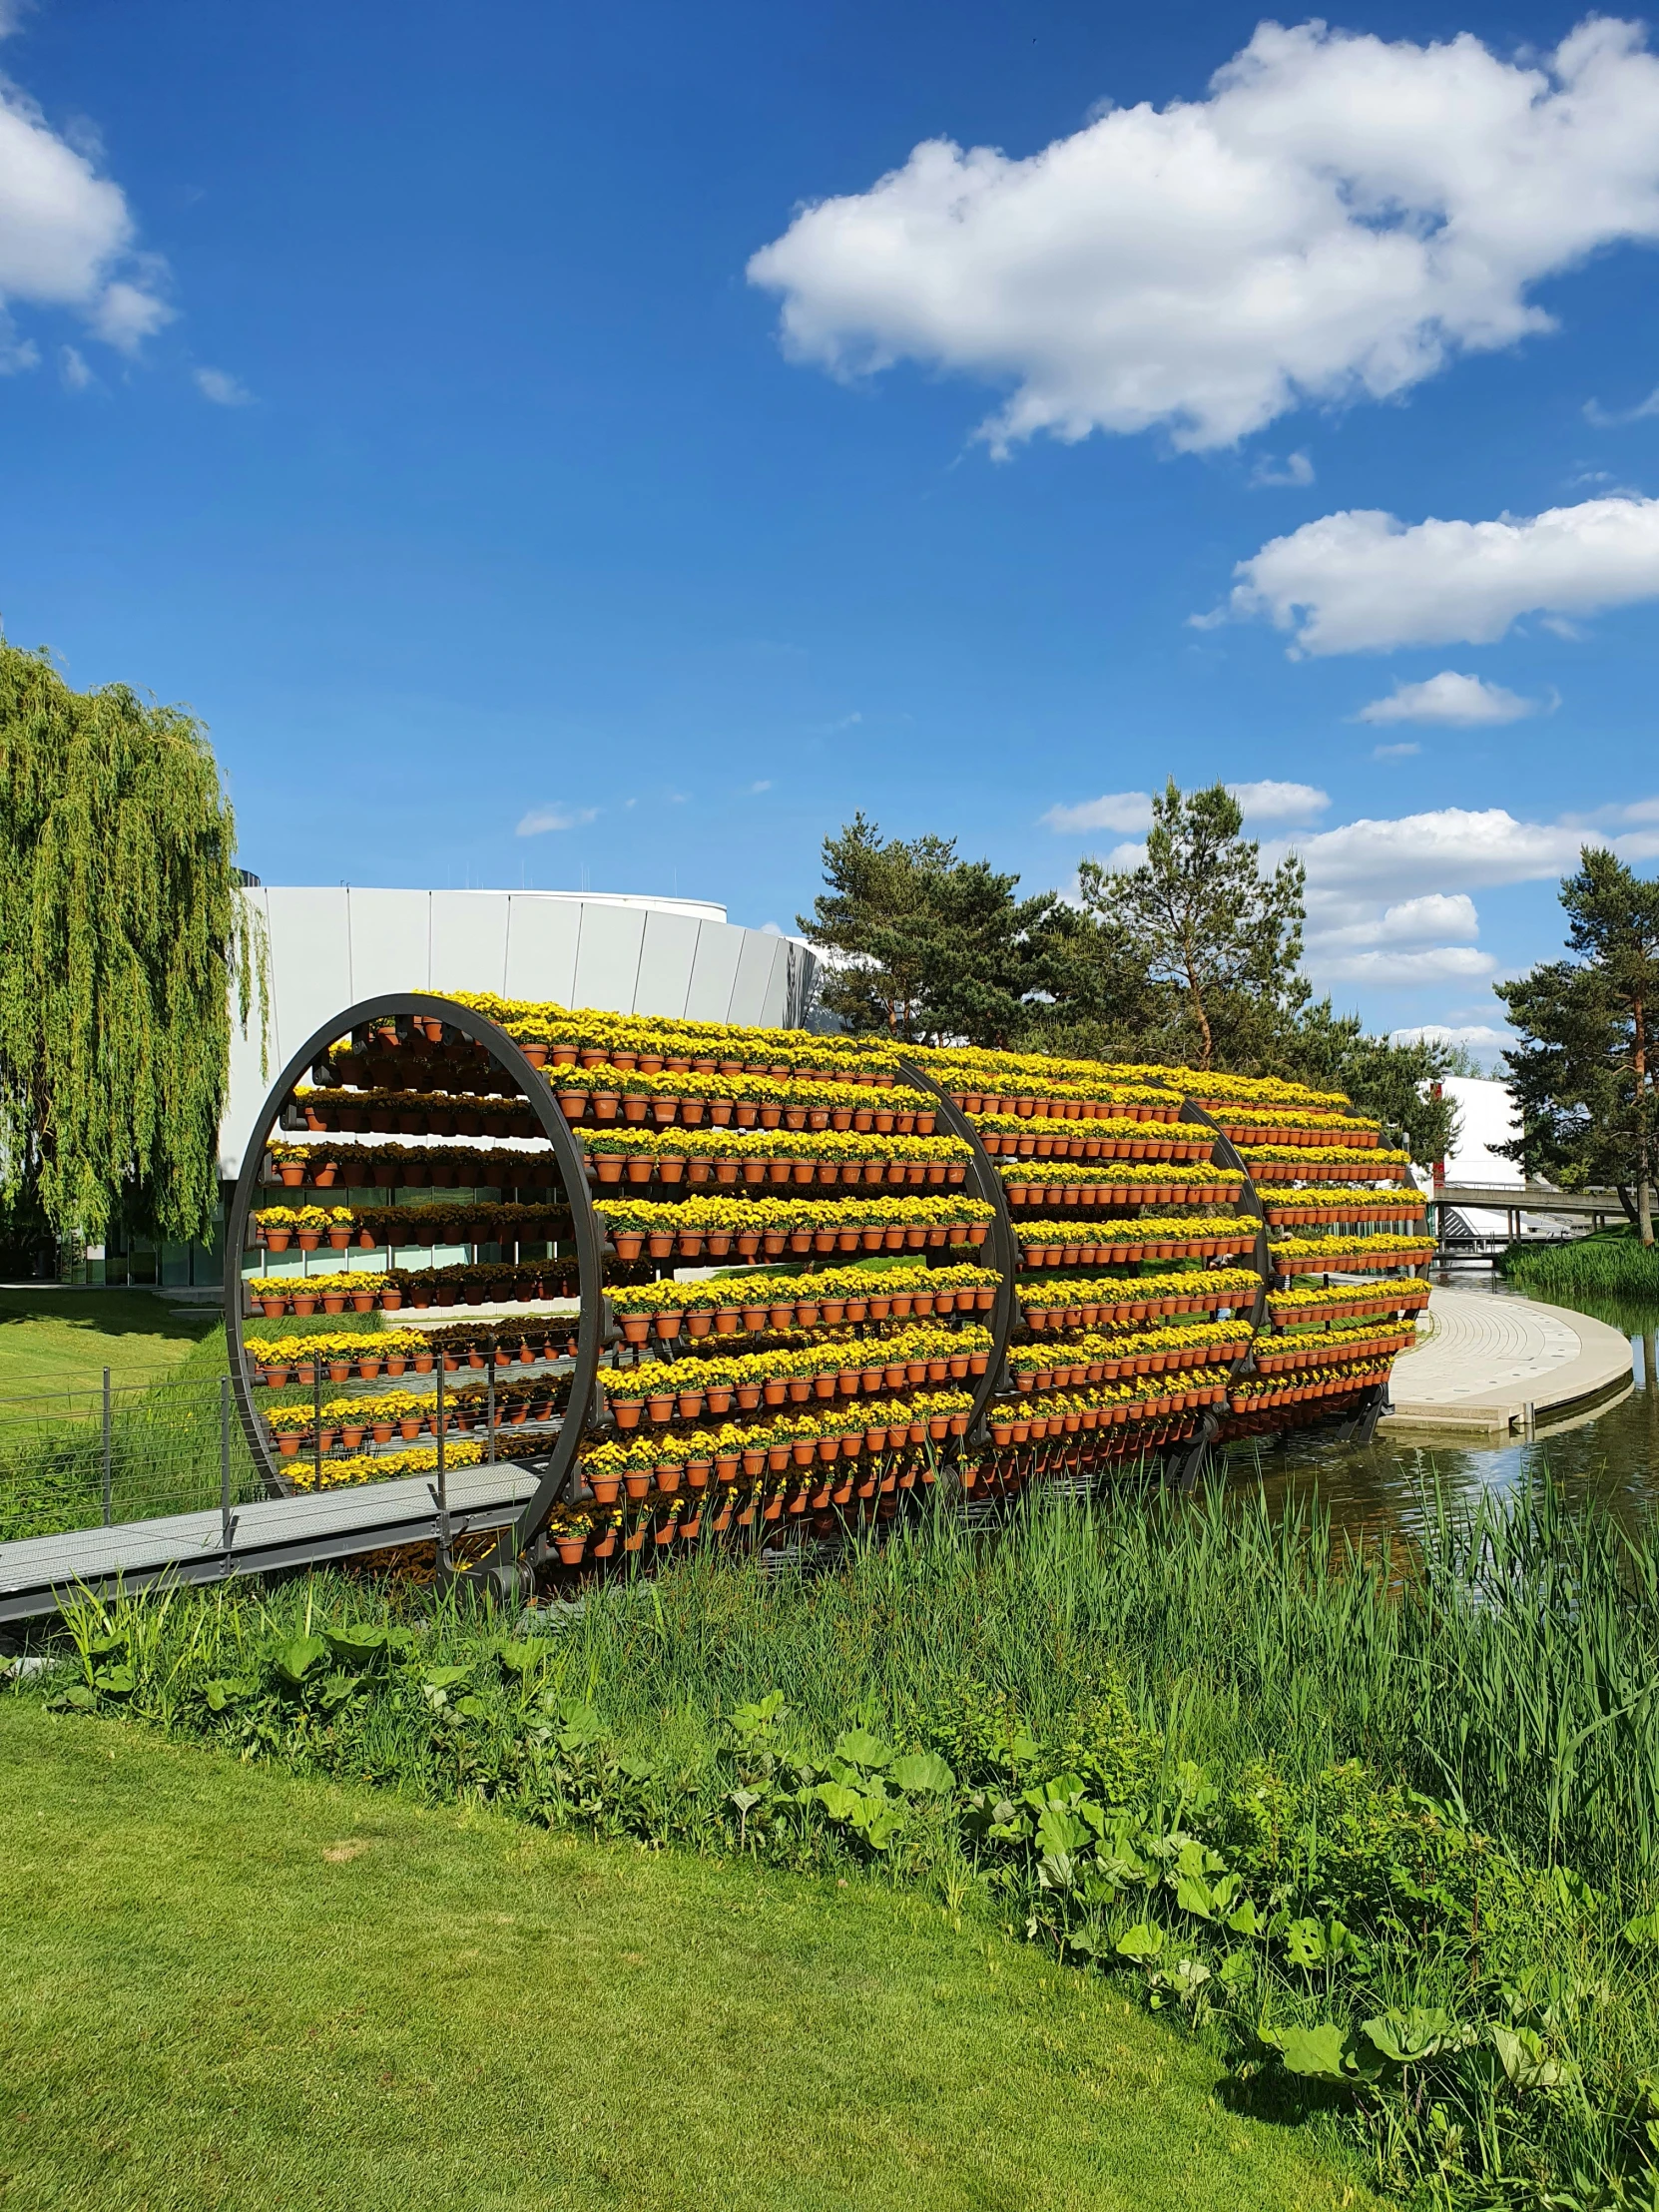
(272, 1533)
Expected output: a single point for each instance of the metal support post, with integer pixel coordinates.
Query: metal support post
(108, 1502)
(441, 1489)
(317, 1417)
(490, 1406)
(226, 1520)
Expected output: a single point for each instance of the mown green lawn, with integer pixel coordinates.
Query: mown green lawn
(221, 1986)
(64, 1340)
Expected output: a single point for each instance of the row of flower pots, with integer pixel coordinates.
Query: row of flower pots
(1088, 1358)
(1379, 1255)
(686, 1388)
(1209, 1187)
(1104, 1300)
(1249, 1396)
(602, 1096)
(751, 1303)
(1056, 1413)
(1344, 1301)
(391, 1167)
(1005, 1138)
(338, 1357)
(1065, 1244)
(1368, 1208)
(374, 1228)
(1333, 1166)
(669, 1170)
(1365, 1343)
(415, 1114)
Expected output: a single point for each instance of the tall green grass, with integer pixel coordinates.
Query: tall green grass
(1609, 1261)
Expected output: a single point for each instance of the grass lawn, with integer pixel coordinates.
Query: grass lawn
(223, 1986)
(64, 1340)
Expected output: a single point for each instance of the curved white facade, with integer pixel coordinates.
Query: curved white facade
(333, 946)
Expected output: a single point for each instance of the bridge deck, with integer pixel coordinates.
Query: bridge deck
(270, 1534)
(1489, 1357)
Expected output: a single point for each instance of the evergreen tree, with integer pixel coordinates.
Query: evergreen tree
(1213, 930)
(926, 945)
(123, 937)
(1582, 1073)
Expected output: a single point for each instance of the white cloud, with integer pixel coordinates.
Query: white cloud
(1478, 1036)
(1270, 802)
(1269, 474)
(1337, 218)
(1363, 581)
(1124, 811)
(541, 819)
(73, 369)
(1394, 752)
(1462, 701)
(1614, 418)
(1414, 922)
(66, 235)
(222, 388)
(764, 785)
(1442, 964)
(1412, 853)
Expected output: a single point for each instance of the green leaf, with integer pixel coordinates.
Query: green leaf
(839, 1801)
(300, 1659)
(78, 1698)
(1143, 1942)
(471, 1708)
(221, 1695)
(521, 1661)
(1407, 2038)
(359, 1647)
(1526, 2060)
(1244, 1919)
(445, 1678)
(1316, 2053)
(115, 1681)
(1644, 1928)
(921, 1770)
(860, 1749)
(1191, 1893)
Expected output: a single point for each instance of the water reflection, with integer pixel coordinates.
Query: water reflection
(1379, 1491)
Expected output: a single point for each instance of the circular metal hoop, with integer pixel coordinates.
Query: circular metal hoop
(479, 1030)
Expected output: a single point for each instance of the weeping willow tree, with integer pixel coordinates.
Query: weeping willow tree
(124, 940)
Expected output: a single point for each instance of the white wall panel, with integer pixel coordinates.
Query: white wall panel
(331, 947)
(391, 940)
(469, 940)
(608, 957)
(665, 960)
(541, 947)
(713, 972)
(755, 965)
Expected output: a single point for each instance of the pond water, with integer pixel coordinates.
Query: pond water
(1382, 1488)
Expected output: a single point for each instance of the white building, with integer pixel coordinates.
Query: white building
(332, 945)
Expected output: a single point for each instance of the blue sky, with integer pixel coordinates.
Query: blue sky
(399, 390)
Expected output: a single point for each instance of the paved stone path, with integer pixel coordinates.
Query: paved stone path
(1489, 1357)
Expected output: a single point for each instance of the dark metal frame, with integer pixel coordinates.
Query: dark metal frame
(992, 1190)
(568, 1154)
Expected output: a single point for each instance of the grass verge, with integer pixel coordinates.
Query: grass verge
(1607, 1261)
(225, 1987)
(64, 1340)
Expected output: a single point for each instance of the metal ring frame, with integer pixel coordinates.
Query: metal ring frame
(567, 1153)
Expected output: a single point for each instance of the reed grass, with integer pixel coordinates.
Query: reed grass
(1608, 1261)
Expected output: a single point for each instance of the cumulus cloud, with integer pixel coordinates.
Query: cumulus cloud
(1269, 474)
(1440, 964)
(1412, 921)
(73, 369)
(1363, 581)
(1337, 219)
(1270, 802)
(1464, 702)
(541, 819)
(67, 237)
(1394, 752)
(1478, 1036)
(222, 388)
(1120, 810)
